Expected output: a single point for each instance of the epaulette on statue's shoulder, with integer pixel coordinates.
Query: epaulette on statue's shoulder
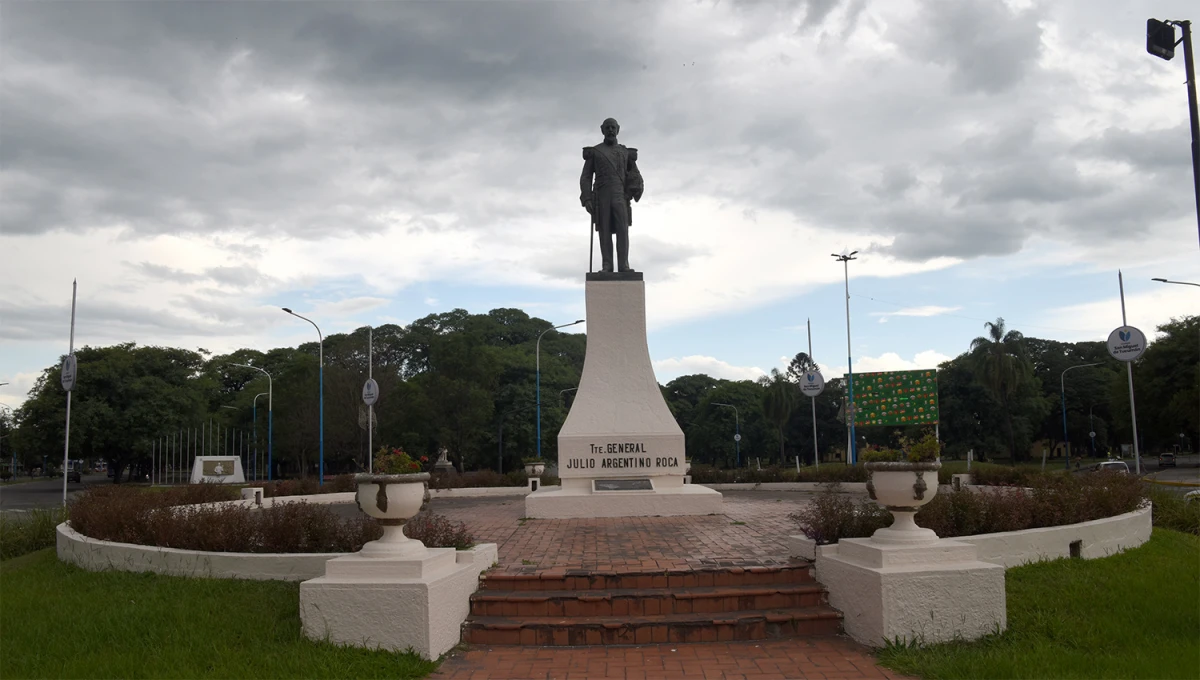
(588, 153)
(632, 153)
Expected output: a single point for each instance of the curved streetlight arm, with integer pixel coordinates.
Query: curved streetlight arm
(270, 389)
(1181, 283)
(321, 396)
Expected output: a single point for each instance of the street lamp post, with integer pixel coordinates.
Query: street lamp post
(321, 406)
(1160, 42)
(270, 414)
(737, 433)
(255, 418)
(1063, 390)
(1092, 429)
(852, 449)
(538, 368)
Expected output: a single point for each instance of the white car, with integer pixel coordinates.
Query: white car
(1113, 466)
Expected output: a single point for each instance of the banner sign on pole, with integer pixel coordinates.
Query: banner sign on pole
(895, 398)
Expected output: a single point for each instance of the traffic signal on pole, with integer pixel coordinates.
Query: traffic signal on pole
(1160, 39)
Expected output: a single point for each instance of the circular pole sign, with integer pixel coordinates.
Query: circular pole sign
(370, 392)
(68, 372)
(1126, 343)
(812, 384)
(737, 437)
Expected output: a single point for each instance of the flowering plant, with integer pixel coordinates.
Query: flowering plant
(394, 461)
(926, 449)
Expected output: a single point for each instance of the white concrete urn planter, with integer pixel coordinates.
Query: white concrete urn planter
(903, 487)
(392, 500)
(535, 469)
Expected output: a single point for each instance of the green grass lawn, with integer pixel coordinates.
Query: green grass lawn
(1132, 615)
(59, 621)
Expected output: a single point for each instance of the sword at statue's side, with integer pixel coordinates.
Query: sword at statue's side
(591, 239)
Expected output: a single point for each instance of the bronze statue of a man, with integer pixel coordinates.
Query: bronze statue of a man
(617, 181)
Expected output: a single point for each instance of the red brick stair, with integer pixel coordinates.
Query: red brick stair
(575, 607)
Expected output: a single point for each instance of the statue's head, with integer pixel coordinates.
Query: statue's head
(610, 128)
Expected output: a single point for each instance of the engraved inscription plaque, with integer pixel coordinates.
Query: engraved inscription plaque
(622, 485)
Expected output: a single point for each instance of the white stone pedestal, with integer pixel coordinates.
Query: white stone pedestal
(391, 603)
(934, 592)
(217, 470)
(620, 451)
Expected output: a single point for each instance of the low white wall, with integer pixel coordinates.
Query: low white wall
(1100, 538)
(96, 555)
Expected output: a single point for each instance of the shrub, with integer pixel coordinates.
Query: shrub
(832, 516)
(22, 533)
(5, 475)
(395, 461)
(486, 478)
(436, 531)
(832, 472)
(1056, 501)
(130, 515)
(1172, 512)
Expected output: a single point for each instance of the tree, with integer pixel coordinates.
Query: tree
(125, 396)
(778, 403)
(799, 365)
(1002, 366)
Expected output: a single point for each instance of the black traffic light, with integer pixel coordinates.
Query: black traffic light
(1160, 39)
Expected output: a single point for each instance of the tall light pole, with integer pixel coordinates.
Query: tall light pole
(1092, 429)
(321, 426)
(1160, 42)
(270, 414)
(1062, 383)
(255, 418)
(538, 368)
(851, 450)
(14, 454)
(737, 433)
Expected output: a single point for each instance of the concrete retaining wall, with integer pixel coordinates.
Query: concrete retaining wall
(97, 555)
(1098, 538)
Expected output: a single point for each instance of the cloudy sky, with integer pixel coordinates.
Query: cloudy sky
(197, 165)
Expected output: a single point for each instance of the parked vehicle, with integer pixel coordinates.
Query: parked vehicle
(1113, 466)
(75, 476)
(1166, 460)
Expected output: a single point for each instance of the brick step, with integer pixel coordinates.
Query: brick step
(639, 602)
(647, 629)
(571, 579)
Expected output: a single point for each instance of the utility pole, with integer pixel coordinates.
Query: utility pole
(1160, 42)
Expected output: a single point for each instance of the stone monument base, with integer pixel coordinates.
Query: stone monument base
(395, 603)
(577, 499)
(932, 592)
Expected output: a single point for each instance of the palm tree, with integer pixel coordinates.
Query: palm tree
(778, 403)
(1001, 361)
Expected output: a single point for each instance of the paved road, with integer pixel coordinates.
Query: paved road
(44, 493)
(1187, 470)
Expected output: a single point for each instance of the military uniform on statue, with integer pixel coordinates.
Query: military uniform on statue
(620, 451)
(617, 181)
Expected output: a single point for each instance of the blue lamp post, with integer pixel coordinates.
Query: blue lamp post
(270, 414)
(321, 426)
(538, 364)
(255, 417)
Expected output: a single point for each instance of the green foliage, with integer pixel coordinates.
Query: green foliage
(1172, 512)
(394, 461)
(61, 621)
(835, 472)
(1056, 501)
(25, 532)
(1144, 625)
(779, 401)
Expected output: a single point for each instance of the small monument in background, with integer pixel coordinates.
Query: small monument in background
(620, 451)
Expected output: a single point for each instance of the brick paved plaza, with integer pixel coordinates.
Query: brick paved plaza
(752, 532)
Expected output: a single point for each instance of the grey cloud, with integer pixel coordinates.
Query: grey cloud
(1164, 150)
(987, 47)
